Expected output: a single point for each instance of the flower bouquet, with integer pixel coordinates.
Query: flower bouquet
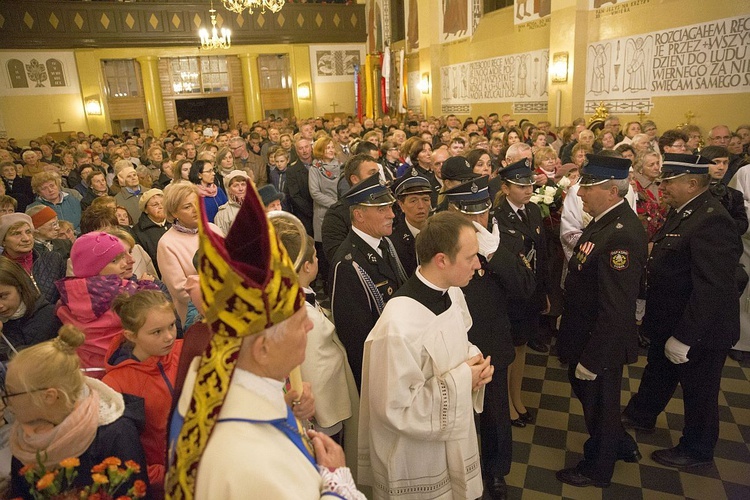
(548, 198)
(107, 478)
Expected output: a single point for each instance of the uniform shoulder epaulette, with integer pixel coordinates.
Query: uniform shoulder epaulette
(348, 256)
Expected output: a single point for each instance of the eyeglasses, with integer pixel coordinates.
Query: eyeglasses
(6, 397)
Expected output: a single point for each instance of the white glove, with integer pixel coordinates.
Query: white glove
(488, 241)
(583, 374)
(676, 351)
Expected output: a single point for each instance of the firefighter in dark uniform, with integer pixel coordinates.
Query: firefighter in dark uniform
(692, 311)
(514, 212)
(456, 170)
(413, 195)
(598, 332)
(366, 270)
(503, 273)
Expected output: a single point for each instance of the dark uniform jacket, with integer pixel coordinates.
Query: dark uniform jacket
(505, 275)
(532, 236)
(336, 226)
(404, 242)
(691, 292)
(598, 327)
(297, 190)
(355, 311)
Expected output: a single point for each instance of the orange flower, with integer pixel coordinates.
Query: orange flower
(139, 488)
(123, 497)
(99, 468)
(25, 469)
(109, 461)
(100, 478)
(70, 463)
(133, 465)
(46, 481)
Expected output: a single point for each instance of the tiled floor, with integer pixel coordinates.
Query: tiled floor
(556, 441)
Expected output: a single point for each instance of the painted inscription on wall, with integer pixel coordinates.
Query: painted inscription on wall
(705, 58)
(512, 78)
(30, 73)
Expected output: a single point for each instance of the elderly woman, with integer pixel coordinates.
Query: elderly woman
(44, 268)
(235, 182)
(202, 174)
(97, 181)
(154, 157)
(152, 224)
(60, 413)
(47, 231)
(130, 191)
(177, 247)
(27, 318)
(323, 178)
(48, 188)
(649, 207)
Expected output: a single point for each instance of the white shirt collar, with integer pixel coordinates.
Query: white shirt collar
(413, 230)
(428, 283)
(515, 207)
(268, 388)
(609, 209)
(370, 240)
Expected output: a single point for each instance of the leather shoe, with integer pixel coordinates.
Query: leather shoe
(517, 422)
(526, 417)
(629, 423)
(677, 457)
(574, 477)
(632, 458)
(497, 488)
(538, 346)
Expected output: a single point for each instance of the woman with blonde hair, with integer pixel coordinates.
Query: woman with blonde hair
(61, 414)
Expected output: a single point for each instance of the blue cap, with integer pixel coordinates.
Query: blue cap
(411, 184)
(471, 197)
(457, 168)
(520, 172)
(677, 164)
(600, 169)
(269, 194)
(370, 193)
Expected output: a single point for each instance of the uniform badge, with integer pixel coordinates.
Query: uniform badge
(474, 187)
(414, 172)
(538, 231)
(480, 272)
(512, 231)
(525, 261)
(619, 226)
(619, 260)
(686, 213)
(584, 251)
(390, 290)
(710, 209)
(348, 256)
(372, 258)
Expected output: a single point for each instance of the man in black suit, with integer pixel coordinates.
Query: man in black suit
(503, 273)
(366, 271)
(598, 332)
(692, 311)
(413, 195)
(297, 187)
(16, 186)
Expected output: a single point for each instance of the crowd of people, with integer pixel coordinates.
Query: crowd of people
(446, 248)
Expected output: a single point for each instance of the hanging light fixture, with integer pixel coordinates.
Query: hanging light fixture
(214, 41)
(239, 5)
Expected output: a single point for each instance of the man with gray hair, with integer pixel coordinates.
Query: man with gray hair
(598, 332)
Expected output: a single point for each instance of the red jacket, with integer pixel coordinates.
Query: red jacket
(153, 380)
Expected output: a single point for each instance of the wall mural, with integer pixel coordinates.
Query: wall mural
(412, 25)
(700, 59)
(378, 25)
(517, 78)
(458, 19)
(38, 73)
(531, 10)
(335, 63)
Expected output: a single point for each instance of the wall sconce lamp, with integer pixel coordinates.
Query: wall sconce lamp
(92, 105)
(424, 83)
(559, 68)
(303, 91)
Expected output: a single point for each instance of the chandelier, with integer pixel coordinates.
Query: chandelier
(214, 41)
(239, 5)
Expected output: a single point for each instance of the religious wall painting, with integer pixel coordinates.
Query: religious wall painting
(700, 59)
(35, 73)
(378, 25)
(412, 25)
(335, 63)
(457, 19)
(530, 10)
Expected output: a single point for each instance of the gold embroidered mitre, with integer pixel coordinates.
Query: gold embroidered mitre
(248, 284)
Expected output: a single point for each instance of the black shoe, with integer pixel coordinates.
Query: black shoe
(736, 355)
(526, 417)
(574, 477)
(538, 346)
(678, 457)
(517, 423)
(497, 488)
(629, 423)
(632, 458)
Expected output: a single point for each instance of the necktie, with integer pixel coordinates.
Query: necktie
(389, 254)
(345, 148)
(522, 215)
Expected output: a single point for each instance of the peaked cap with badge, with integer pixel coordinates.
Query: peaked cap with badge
(370, 192)
(599, 169)
(520, 173)
(457, 168)
(677, 164)
(248, 284)
(472, 197)
(411, 184)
